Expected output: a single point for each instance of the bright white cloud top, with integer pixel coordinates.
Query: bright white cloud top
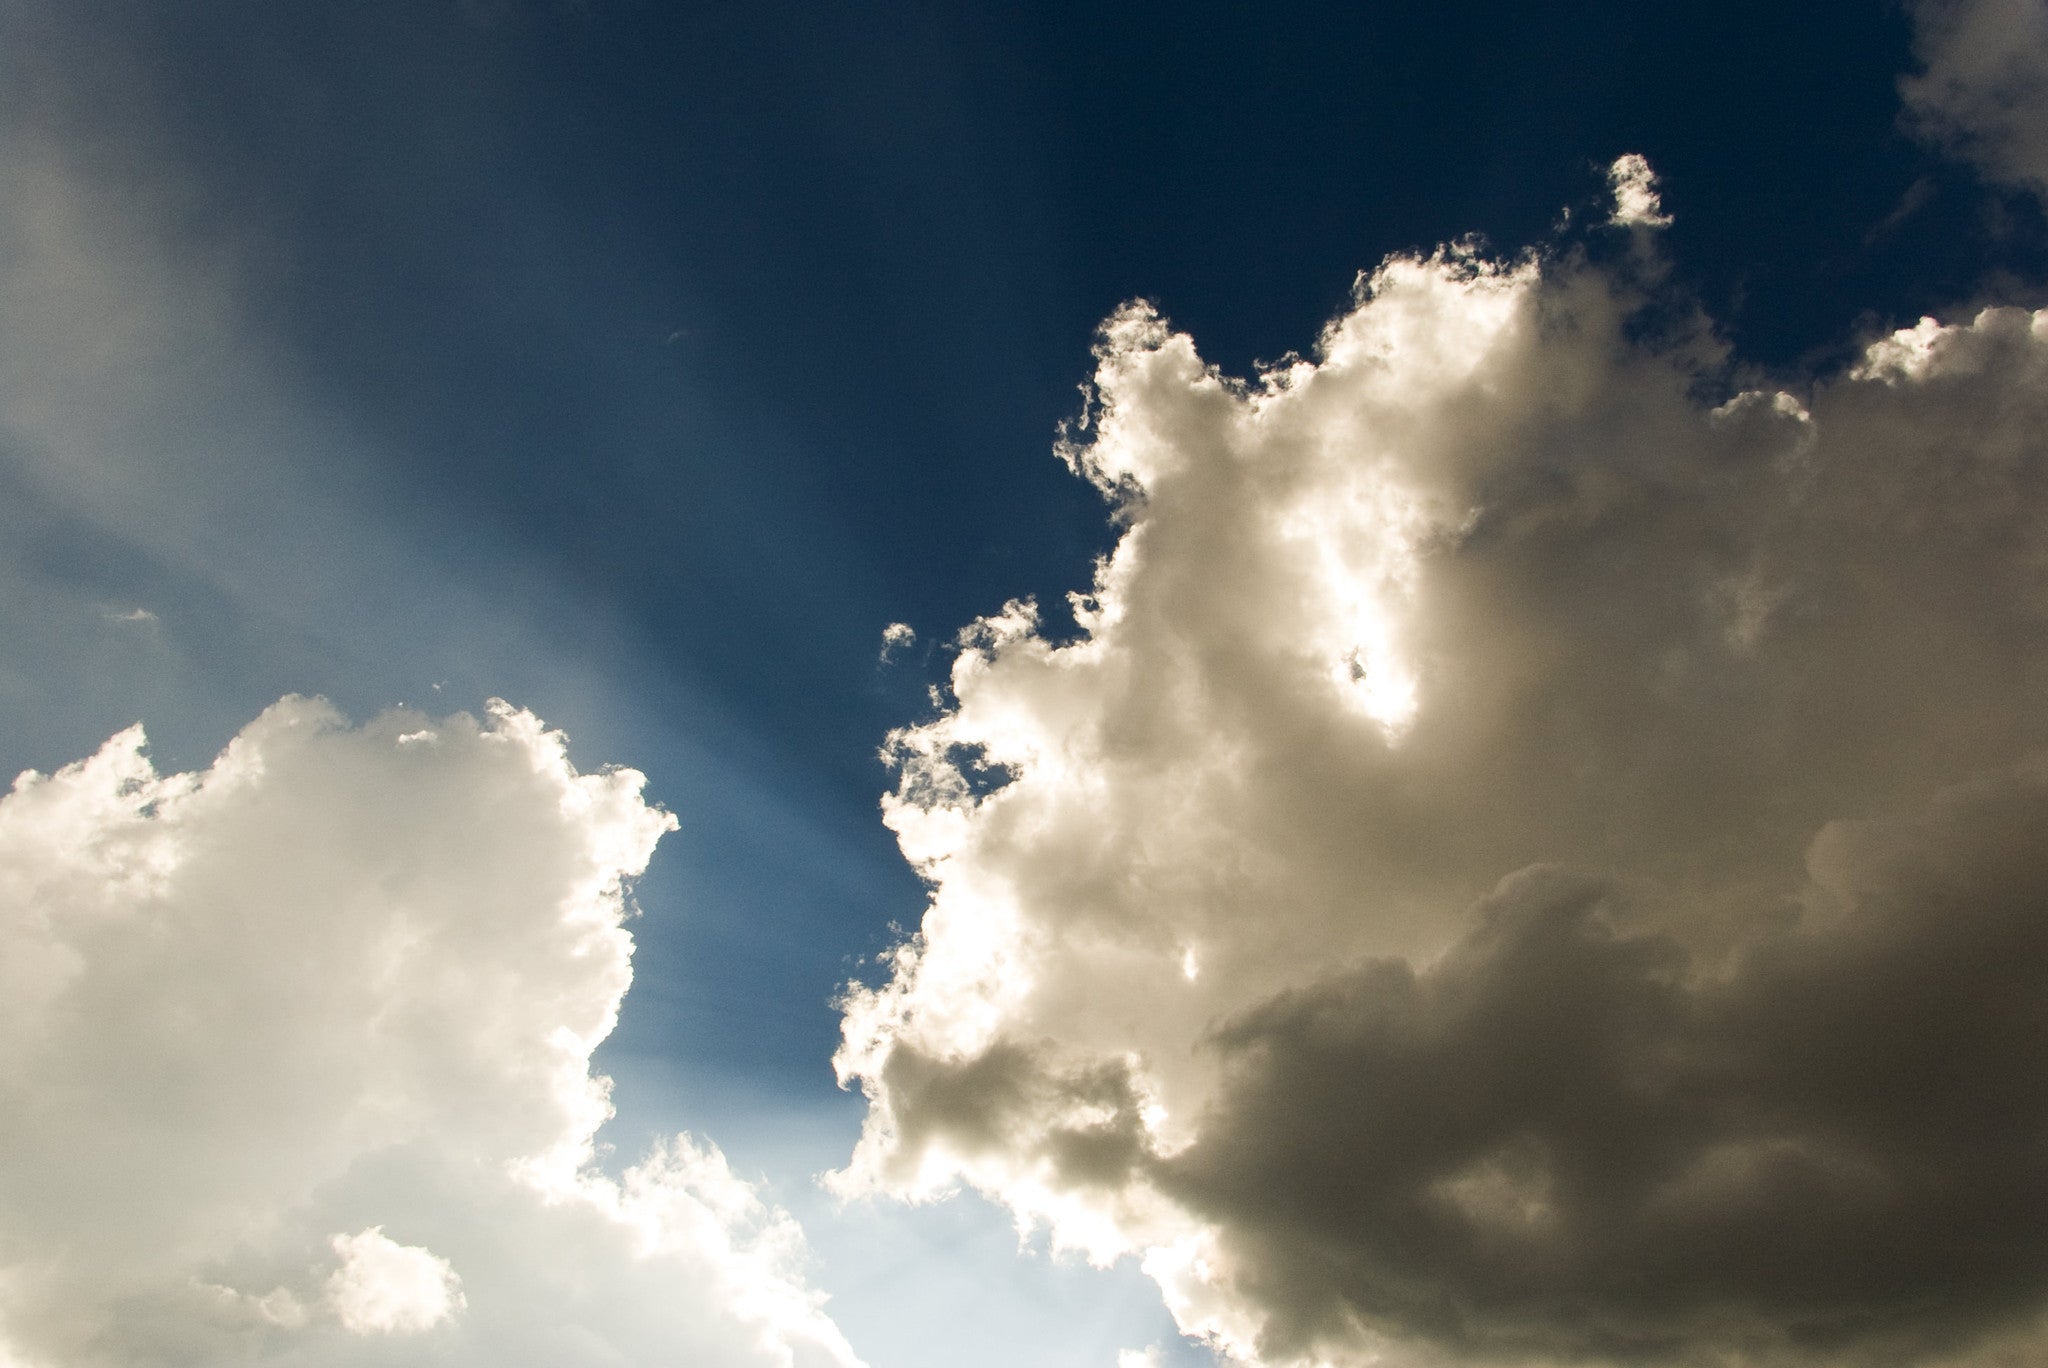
(1526, 856)
(295, 1068)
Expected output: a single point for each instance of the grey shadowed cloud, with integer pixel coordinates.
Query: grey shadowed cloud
(1984, 86)
(1533, 853)
(1566, 1139)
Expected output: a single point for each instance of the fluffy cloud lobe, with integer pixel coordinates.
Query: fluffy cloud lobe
(294, 1068)
(1521, 857)
(386, 1287)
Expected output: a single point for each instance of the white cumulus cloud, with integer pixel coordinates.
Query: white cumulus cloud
(295, 1068)
(1524, 858)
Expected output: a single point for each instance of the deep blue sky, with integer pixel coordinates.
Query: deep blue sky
(712, 338)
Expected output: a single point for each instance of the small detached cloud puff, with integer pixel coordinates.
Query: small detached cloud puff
(1636, 201)
(897, 638)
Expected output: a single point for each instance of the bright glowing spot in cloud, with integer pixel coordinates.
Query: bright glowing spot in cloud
(384, 1287)
(1592, 804)
(349, 980)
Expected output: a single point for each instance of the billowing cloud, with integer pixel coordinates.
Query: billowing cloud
(295, 1068)
(1532, 850)
(1984, 87)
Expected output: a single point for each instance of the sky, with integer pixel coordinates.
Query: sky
(1124, 686)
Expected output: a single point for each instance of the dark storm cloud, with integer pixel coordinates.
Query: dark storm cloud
(1568, 1139)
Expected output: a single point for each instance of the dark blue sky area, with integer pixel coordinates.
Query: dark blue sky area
(753, 323)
